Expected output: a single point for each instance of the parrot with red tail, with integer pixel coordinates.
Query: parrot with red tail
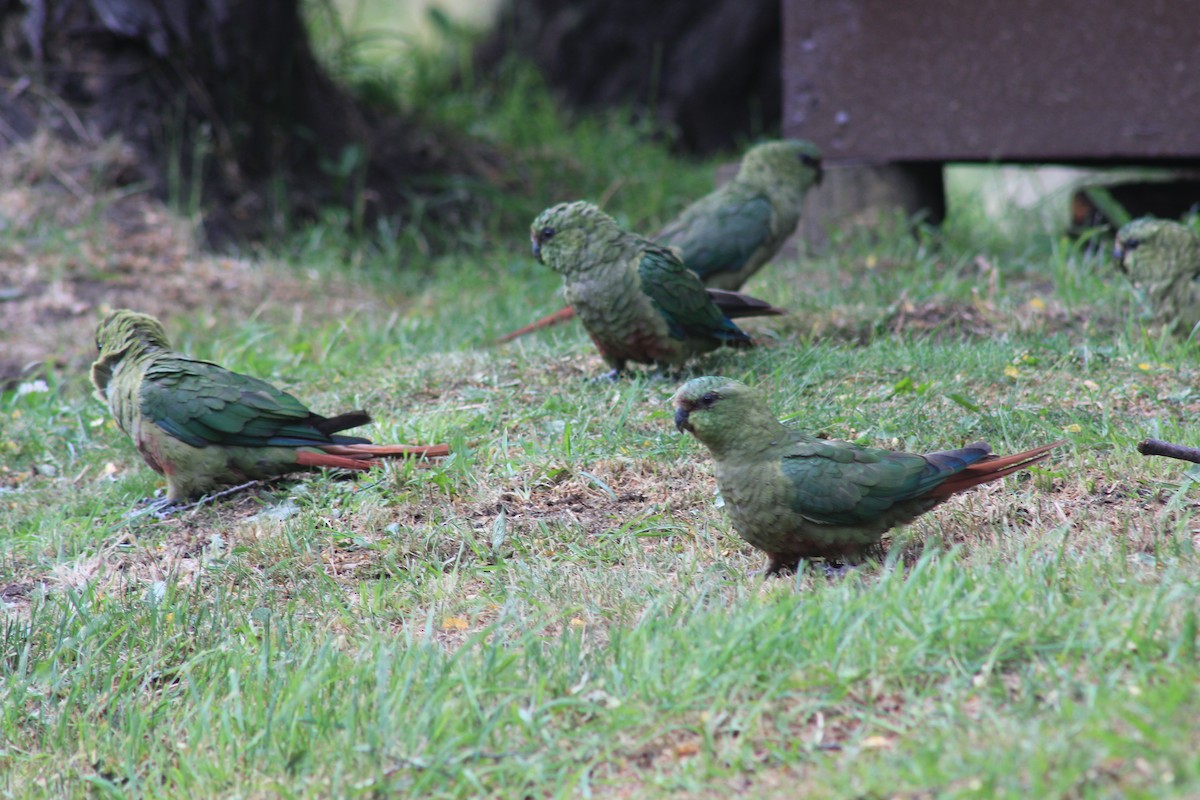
(731, 233)
(796, 496)
(203, 426)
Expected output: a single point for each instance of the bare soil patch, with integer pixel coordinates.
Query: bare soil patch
(77, 241)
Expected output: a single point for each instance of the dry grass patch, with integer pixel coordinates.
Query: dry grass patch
(76, 240)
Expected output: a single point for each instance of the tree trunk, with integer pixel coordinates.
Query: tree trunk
(711, 70)
(222, 99)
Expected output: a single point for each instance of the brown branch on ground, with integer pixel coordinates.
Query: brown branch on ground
(1157, 447)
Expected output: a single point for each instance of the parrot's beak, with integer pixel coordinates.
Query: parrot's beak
(681, 420)
(1124, 248)
(537, 249)
(814, 163)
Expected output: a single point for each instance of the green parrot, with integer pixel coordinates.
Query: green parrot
(635, 298)
(729, 234)
(1162, 259)
(796, 496)
(203, 426)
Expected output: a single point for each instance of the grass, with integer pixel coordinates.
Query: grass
(522, 149)
(561, 608)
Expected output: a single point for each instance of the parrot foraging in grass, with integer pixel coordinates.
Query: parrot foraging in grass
(796, 496)
(203, 426)
(635, 298)
(729, 234)
(1162, 259)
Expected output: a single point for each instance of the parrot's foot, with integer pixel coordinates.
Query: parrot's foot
(837, 570)
(157, 497)
(211, 498)
(612, 376)
(781, 566)
(162, 508)
(157, 507)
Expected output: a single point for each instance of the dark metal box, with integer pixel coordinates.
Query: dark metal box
(882, 81)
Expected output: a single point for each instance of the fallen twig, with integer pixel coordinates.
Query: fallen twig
(1157, 447)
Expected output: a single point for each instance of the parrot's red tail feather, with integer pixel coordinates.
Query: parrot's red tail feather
(992, 468)
(562, 315)
(306, 458)
(365, 456)
(383, 450)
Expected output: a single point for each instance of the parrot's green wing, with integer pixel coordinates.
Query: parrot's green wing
(837, 483)
(722, 234)
(205, 404)
(681, 299)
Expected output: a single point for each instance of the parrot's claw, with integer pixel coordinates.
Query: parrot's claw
(780, 566)
(612, 376)
(209, 498)
(161, 508)
(836, 570)
(164, 510)
(155, 498)
(157, 507)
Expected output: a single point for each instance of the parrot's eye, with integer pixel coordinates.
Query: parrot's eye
(809, 160)
(1131, 244)
(546, 234)
(709, 399)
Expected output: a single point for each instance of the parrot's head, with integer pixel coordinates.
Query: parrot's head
(124, 329)
(1150, 248)
(722, 412)
(124, 333)
(561, 233)
(793, 161)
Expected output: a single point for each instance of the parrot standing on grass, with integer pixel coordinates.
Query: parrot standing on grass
(203, 426)
(1162, 259)
(635, 298)
(729, 234)
(795, 496)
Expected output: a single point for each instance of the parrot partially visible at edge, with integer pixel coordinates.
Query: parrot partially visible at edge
(795, 496)
(635, 298)
(730, 233)
(1162, 260)
(203, 426)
